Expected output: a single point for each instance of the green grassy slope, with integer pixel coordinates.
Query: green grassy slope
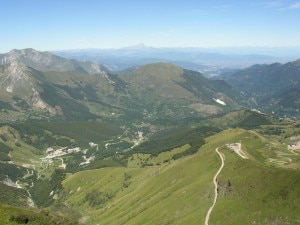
(251, 191)
(12, 216)
(165, 91)
(168, 192)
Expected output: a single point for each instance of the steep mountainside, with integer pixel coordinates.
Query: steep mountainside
(15, 76)
(163, 87)
(39, 85)
(181, 191)
(46, 61)
(97, 172)
(84, 146)
(273, 87)
(20, 91)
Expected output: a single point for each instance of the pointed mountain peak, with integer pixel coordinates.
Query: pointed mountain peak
(140, 46)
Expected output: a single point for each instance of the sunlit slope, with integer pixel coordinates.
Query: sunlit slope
(274, 88)
(252, 193)
(251, 190)
(155, 195)
(257, 190)
(13, 215)
(162, 89)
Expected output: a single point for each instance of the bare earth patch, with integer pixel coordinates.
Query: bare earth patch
(202, 108)
(237, 148)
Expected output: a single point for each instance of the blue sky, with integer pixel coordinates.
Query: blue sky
(75, 24)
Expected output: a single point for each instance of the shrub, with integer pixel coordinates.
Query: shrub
(20, 219)
(98, 198)
(4, 148)
(18, 144)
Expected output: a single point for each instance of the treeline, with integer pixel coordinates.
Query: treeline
(12, 171)
(72, 109)
(62, 133)
(35, 135)
(4, 151)
(112, 161)
(13, 196)
(84, 131)
(253, 120)
(41, 190)
(97, 198)
(173, 138)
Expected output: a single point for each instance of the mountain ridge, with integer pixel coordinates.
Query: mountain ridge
(210, 62)
(268, 82)
(143, 91)
(46, 61)
(118, 149)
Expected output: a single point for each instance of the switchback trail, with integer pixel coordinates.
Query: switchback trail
(216, 187)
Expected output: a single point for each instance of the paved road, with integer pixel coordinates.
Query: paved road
(216, 187)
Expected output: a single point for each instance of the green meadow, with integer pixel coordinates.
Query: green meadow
(251, 191)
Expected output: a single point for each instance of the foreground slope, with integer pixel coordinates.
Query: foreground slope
(155, 195)
(252, 190)
(13, 215)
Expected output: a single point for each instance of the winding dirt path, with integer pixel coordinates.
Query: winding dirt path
(216, 187)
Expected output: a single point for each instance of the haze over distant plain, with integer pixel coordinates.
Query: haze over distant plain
(57, 25)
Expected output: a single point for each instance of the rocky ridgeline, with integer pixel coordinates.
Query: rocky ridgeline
(46, 61)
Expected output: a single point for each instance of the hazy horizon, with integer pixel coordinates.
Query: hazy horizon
(285, 52)
(59, 25)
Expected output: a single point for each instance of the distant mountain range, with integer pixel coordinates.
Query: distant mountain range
(274, 87)
(40, 85)
(210, 62)
(80, 144)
